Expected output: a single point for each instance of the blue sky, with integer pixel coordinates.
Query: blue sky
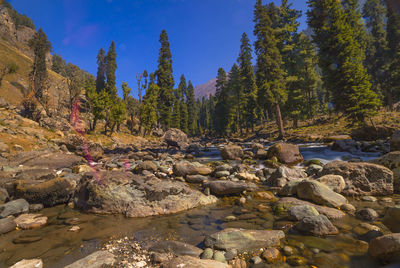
(204, 34)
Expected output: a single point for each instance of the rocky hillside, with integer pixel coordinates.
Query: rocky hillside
(206, 89)
(14, 51)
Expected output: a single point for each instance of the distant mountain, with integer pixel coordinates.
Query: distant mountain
(206, 89)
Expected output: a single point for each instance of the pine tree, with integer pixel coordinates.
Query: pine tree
(374, 13)
(97, 102)
(111, 67)
(341, 57)
(74, 83)
(182, 89)
(269, 75)
(58, 64)
(176, 111)
(126, 90)
(101, 70)
(393, 40)
(39, 76)
(165, 82)
(191, 106)
(246, 97)
(224, 112)
(148, 109)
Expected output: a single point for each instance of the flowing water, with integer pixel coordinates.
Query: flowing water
(58, 247)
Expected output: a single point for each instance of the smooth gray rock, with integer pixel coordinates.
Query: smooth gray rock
(14, 207)
(317, 226)
(7, 225)
(176, 247)
(320, 194)
(94, 260)
(297, 213)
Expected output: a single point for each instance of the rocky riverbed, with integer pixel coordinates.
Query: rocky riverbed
(165, 203)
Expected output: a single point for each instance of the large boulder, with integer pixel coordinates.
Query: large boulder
(32, 263)
(335, 182)
(135, 195)
(319, 193)
(243, 240)
(49, 193)
(395, 141)
(318, 225)
(97, 259)
(185, 168)
(286, 153)
(79, 145)
(362, 178)
(392, 162)
(48, 160)
(385, 248)
(30, 221)
(225, 187)
(299, 212)
(14, 207)
(192, 262)
(231, 152)
(176, 138)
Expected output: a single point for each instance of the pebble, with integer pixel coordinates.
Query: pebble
(369, 198)
(256, 260)
(288, 250)
(231, 254)
(219, 256)
(74, 229)
(207, 254)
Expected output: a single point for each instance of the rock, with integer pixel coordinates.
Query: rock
(313, 169)
(176, 247)
(288, 202)
(224, 167)
(157, 132)
(146, 165)
(49, 193)
(319, 194)
(47, 160)
(348, 208)
(362, 178)
(188, 261)
(219, 256)
(392, 219)
(296, 260)
(285, 153)
(95, 260)
(79, 169)
(256, 260)
(367, 214)
(207, 254)
(196, 178)
(184, 168)
(4, 148)
(369, 198)
(222, 173)
(261, 154)
(335, 182)
(247, 176)
(238, 263)
(317, 226)
(176, 138)
(288, 174)
(30, 221)
(265, 195)
(231, 152)
(243, 240)
(347, 145)
(392, 162)
(395, 141)
(386, 248)
(135, 195)
(231, 254)
(7, 225)
(33, 263)
(224, 187)
(272, 255)
(3, 195)
(14, 207)
(297, 213)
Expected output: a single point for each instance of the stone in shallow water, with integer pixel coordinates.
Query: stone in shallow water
(14, 207)
(94, 260)
(316, 225)
(385, 248)
(207, 254)
(392, 219)
(219, 256)
(135, 195)
(367, 214)
(7, 225)
(33, 263)
(229, 187)
(176, 247)
(30, 221)
(319, 194)
(272, 255)
(243, 240)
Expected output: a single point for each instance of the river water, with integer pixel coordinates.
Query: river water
(58, 247)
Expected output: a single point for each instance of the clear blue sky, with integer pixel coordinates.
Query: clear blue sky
(204, 34)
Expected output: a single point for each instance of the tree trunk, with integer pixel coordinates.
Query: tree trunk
(390, 99)
(93, 127)
(279, 121)
(295, 123)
